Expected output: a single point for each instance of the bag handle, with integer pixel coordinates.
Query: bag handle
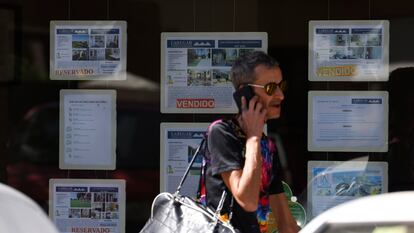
(223, 196)
(189, 166)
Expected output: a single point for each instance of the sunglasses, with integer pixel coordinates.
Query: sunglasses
(271, 87)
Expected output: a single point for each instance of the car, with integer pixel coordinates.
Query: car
(20, 214)
(388, 212)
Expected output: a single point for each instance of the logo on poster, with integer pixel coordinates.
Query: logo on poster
(195, 103)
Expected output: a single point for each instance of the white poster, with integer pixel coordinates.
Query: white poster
(87, 129)
(348, 50)
(348, 121)
(195, 69)
(179, 141)
(87, 205)
(88, 50)
(334, 182)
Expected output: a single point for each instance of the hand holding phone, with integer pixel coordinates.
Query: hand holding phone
(253, 120)
(245, 91)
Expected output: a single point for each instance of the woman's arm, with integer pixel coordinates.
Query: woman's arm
(284, 219)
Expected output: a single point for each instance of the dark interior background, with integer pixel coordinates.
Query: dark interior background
(29, 111)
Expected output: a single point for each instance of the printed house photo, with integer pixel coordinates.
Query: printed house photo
(99, 206)
(356, 185)
(373, 53)
(112, 54)
(190, 153)
(95, 215)
(374, 40)
(112, 41)
(80, 41)
(221, 77)
(339, 40)
(114, 216)
(357, 40)
(81, 200)
(111, 197)
(85, 213)
(355, 52)
(74, 213)
(111, 207)
(98, 197)
(337, 53)
(97, 54)
(198, 78)
(199, 57)
(224, 57)
(97, 41)
(80, 55)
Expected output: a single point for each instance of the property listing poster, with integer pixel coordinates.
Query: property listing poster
(348, 121)
(334, 182)
(88, 50)
(87, 129)
(349, 50)
(179, 141)
(195, 69)
(87, 205)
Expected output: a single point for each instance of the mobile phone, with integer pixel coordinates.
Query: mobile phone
(245, 91)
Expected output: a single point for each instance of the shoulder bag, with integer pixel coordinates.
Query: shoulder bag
(177, 213)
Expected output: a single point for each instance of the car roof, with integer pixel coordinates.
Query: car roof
(393, 207)
(20, 214)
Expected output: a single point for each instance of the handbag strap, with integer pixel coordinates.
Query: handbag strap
(224, 194)
(189, 166)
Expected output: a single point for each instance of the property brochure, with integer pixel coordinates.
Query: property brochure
(87, 129)
(348, 50)
(195, 69)
(88, 50)
(179, 141)
(331, 183)
(348, 121)
(87, 205)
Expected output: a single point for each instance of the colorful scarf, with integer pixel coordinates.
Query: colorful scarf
(263, 209)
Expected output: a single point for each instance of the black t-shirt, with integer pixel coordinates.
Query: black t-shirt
(226, 143)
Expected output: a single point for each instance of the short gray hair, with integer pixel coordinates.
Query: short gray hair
(242, 71)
